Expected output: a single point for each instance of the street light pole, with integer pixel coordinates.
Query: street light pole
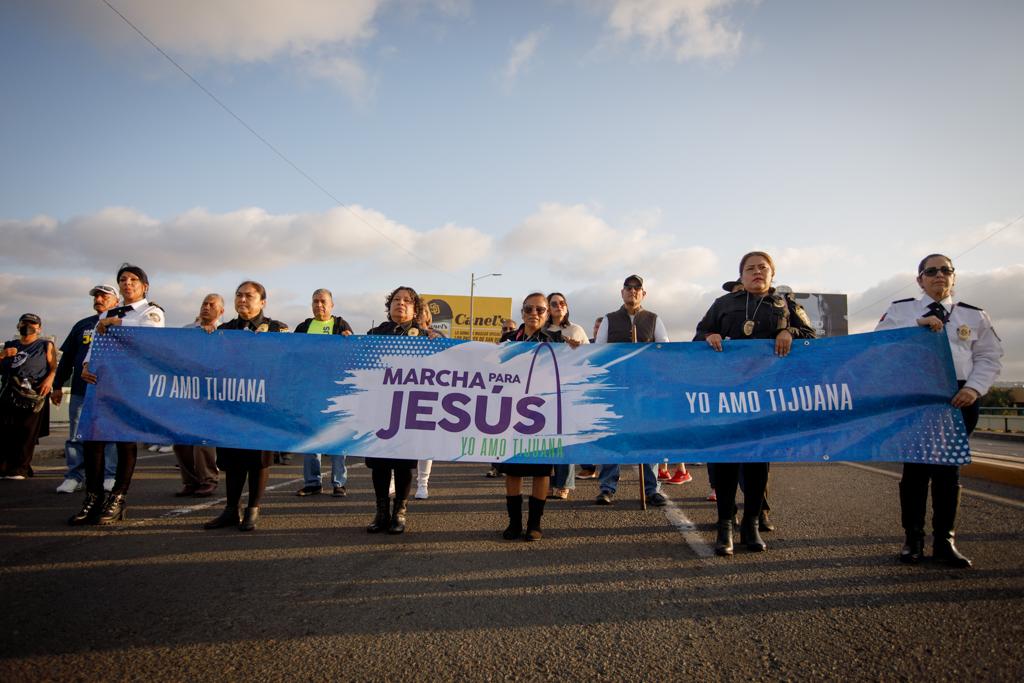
(472, 291)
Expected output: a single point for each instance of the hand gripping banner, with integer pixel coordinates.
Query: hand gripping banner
(877, 396)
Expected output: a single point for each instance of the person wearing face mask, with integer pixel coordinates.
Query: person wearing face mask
(27, 368)
(73, 350)
(754, 311)
(136, 311)
(977, 353)
(239, 464)
(404, 307)
(534, 329)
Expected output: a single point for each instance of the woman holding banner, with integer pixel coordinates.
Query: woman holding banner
(976, 358)
(240, 464)
(535, 318)
(404, 307)
(755, 312)
(574, 335)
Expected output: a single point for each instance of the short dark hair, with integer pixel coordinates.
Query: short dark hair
(565, 321)
(418, 302)
(920, 266)
(255, 285)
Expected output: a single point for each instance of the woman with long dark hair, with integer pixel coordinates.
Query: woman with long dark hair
(574, 335)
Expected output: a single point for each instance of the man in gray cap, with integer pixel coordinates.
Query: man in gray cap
(631, 323)
(73, 350)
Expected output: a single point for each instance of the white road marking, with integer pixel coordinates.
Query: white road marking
(979, 494)
(688, 529)
(213, 502)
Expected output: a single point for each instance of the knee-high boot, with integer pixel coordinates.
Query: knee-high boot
(536, 511)
(382, 520)
(514, 505)
(398, 514)
(913, 502)
(945, 505)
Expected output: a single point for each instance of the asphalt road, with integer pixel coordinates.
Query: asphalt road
(610, 594)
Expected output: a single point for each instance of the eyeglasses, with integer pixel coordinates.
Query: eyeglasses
(557, 304)
(933, 271)
(635, 288)
(535, 309)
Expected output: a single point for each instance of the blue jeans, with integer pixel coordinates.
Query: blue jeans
(565, 477)
(311, 470)
(609, 479)
(73, 454)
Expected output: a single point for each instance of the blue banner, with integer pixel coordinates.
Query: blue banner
(877, 396)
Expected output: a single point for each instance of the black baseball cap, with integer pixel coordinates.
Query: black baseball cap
(30, 318)
(639, 280)
(730, 285)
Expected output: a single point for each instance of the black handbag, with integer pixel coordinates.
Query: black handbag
(15, 395)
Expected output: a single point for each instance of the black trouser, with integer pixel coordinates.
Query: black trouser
(19, 430)
(727, 477)
(127, 453)
(382, 481)
(239, 464)
(945, 481)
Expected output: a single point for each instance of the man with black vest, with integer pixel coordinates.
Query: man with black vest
(631, 323)
(323, 322)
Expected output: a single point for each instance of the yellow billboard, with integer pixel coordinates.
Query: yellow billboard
(451, 315)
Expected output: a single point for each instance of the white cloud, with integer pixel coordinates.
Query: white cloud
(345, 73)
(686, 29)
(522, 52)
(251, 30)
(198, 241)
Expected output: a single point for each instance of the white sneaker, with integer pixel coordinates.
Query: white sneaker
(165, 449)
(108, 485)
(391, 489)
(153, 449)
(70, 486)
(15, 477)
(421, 492)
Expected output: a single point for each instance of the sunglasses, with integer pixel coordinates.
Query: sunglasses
(933, 271)
(535, 309)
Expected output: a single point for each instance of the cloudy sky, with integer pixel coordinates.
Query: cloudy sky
(564, 143)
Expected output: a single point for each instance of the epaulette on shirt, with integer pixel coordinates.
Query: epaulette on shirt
(903, 301)
(155, 304)
(961, 304)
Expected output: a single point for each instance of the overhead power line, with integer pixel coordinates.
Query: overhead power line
(281, 155)
(971, 248)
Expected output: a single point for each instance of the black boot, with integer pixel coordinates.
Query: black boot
(514, 505)
(723, 544)
(227, 518)
(946, 505)
(749, 535)
(249, 520)
(763, 523)
(534, 513)
(114, 510)
(383, 519)
(398, 516)
(91, 508)
(913, 550)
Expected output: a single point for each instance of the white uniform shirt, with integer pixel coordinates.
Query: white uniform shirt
(141, 314)
(976, 347)
(660, 333)
(572, 332)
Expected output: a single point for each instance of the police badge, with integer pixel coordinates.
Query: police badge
(964, 332)
(413, 332)
(748, 327)
(263, 328)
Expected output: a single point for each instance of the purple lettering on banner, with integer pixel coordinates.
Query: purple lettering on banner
(504, 415)
(523, 407)
(416, 409)
(396, 415)
(451, 403)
